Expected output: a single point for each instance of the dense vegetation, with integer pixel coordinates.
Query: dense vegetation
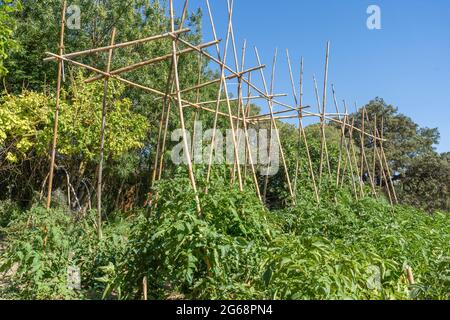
(343, 248)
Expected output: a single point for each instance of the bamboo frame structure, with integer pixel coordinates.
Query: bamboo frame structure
(238, 118)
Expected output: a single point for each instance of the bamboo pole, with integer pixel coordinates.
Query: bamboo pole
(364, 156)
(180, 109)
(102, 139)
(352, 149)
(266, 116)
(297, 104)
(165, 113)
(221, 64)
(383, 173)
(240, 105)
(266, 177)
(342, 137)
(277, 134)
(410, 276)
(348, 152)
(250, 156)
(150, 62)
(144, 288)
(301, 130)
(321, 115)
(136, 85)
(328, 116)
(324, 105)
(121, 45)
(211, 82)
(57, 107)
(394, 193)
(202, 103)
(197, 101)
(224, 86)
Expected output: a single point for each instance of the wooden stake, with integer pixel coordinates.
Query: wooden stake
(167, 104)
(410, 276)
(341, 143)
(223, 85)
(144, 288)
(180, 109)
(383, 173)
(301, 131)
(297, 104)
(277, 134)
(364, 157)
(394, 193)
(57, 107)
(348, 152)
(352, 149)
(324, 105)
(102, 139)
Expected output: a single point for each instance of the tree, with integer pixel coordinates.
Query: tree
(7, 26)
(405, 140)
(25, 134)
(426, 183)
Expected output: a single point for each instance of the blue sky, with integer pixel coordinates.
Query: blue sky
(407, 62)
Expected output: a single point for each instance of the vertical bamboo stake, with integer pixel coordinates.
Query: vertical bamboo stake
(197, 100)
(297, 105)
(57, 107)
(383, 154)
(374, 167)
(272, 79)
(144, 288)
(341, 138)
(410, 275)
(239, 88)
(301, 130)
(363, 151)
(324, 105)
(352, 148)
(383, 173)
(167, 104)
(361, 173)
(323, 146)
(348, 152)
(180, 108)
(266, 177)
(223, 84)
(247, 140)
(102, 138)
(277, 133)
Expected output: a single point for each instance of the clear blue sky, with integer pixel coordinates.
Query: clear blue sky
(407, 62)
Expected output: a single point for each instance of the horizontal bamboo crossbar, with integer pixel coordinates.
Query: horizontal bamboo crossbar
(237, 99)
(136, 85)
(205, 84)
(149, 62)
(220, 63)
(121, 45)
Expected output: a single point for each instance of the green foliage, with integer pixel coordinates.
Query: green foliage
(25, 123)
(427, 183)
(42, 245)
(7, 26)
